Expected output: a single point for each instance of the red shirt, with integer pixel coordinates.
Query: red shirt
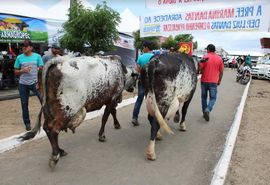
(211, 68)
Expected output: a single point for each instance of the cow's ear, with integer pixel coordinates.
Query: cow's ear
(204, 60)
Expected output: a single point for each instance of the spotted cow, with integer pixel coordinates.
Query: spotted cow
(73, 86)
(168, 80)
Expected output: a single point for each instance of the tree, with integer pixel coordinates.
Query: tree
(174, 42)
(170, 42)
(139, 41)
(89, 31)
(186, 38)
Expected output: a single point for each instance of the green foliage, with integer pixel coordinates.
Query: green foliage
(93, 28)
(170, 42)
(139, 41)
(174, 42)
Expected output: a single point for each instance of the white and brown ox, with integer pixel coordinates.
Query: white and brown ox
(73, 86)
(168, 80)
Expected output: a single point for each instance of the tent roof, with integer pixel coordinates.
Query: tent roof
(61, 8)
(129, 22)
(26, 9)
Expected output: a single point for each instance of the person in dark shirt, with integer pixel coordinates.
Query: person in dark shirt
(55, 50)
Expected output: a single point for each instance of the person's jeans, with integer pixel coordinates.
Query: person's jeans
(139, 101)
(212, 89)
(7, 81)
(24, 91)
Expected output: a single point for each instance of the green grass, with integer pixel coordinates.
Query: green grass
(38, 36)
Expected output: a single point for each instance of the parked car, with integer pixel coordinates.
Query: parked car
(254, 62)
(225, 62)
(261, 70)
(267, 71)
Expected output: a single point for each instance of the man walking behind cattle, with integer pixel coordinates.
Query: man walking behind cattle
(142, 60)
(212, 66)
(27, 65)
(55, 51)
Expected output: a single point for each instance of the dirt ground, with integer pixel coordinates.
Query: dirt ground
(251, 160)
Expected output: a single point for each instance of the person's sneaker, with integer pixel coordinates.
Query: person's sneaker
(27, 127)
(206, 116)
(135, 122)
(6, 88)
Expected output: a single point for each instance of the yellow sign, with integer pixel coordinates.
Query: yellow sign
(184, 48)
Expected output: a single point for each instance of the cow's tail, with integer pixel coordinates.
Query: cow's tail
(31, 134)
(47, 66)
(151, 78)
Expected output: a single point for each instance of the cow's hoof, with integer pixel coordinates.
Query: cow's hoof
(151, 157)
(159, 136)
(182, 128)
(63, 153)
(102, 138)
(117, 126)
(53, 161)
(176, 119)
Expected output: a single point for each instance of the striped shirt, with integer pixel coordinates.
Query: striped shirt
(34, 61)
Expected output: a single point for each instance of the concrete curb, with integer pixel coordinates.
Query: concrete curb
(224, 161)
(12, 142)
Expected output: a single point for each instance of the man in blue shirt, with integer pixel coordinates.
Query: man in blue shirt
(248, 60)
(142, 60)
(27, 66)
(55, 50)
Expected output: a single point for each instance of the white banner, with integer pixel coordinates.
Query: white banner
(246, 18)
(163, 3)
(55, 31)
(125, 42)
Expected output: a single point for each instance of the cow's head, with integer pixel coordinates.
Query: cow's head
(24, 24)
(131, 77)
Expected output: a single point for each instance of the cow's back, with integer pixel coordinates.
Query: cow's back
(74, 82)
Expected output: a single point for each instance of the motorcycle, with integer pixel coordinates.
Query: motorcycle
(243, 75)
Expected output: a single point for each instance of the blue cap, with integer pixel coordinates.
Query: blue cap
(101, 52)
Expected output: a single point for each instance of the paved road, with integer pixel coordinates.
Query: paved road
(186, 158)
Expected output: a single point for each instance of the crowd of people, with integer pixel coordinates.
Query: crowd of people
(241, 61)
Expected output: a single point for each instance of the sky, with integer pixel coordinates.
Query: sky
(236, 41)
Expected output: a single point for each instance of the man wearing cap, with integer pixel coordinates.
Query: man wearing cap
(55, 51)
(248, 60)
(101, 53)
(212, 66)
(27, 66)
(142, 60)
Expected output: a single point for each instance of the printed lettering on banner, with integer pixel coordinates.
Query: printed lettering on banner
(253, 18)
